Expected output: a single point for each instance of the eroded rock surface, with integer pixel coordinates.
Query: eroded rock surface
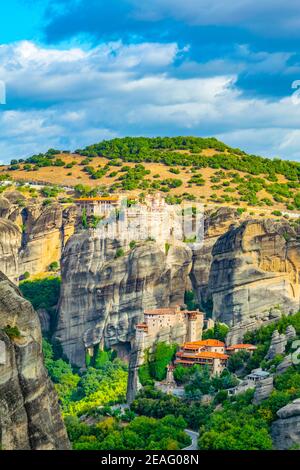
(254, 276)
(104, 296)
(29, 412)
(10, 241)
(263, 390)
(286, 430)
(216, 223)
(32, 236)
(277, 346)
(46, 233)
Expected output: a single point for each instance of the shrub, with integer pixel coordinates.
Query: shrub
(54, 266)
(277, 213)
(12, 331)
(120, 252)
(160, 358)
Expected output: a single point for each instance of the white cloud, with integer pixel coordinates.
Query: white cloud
(270, 17)
(71, 98)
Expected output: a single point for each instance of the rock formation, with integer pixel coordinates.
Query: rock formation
(46, 233)
(284, 364)
(216, 223)
(263, 390)
(254, 276)
(32, 235)
(45, 320)
(290, 333)
(286, 430)
(10, 241)
(246, 277)
(279, 342)
(277, 346)
(104, 296)
(29, 412)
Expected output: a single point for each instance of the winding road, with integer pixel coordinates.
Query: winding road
(194, 436)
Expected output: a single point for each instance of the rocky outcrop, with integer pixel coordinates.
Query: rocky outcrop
(284, 364)
(290, 333)
(254, 276)
(263, 390)
(10, 241)
(29, 412)
(286, 430)
(32, 235)
(4, 207)
(280, 341)
(103, 296)
(46, 233)
(216, 223)
(277, 346)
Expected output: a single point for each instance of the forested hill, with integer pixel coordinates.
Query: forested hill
(188, 151)
(192, 168)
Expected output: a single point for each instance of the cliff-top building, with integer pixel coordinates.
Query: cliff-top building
(250, 348)
(210, 352)
(170, 321)
(97, 205)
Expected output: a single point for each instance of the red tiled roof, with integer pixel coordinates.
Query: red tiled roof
(203, 354)
(163, 311)
(206, 342)
(212, 355)
(241, 346)
(181, 361)
(92, 199)
(142, 325)
(171, 311)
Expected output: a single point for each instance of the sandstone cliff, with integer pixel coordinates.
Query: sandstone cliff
(29, 411)
(104, 296)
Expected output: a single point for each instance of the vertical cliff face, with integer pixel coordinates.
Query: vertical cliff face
(246, 274)
(103, 296)
(29, 411)
(46, 232)
(33, 236)
(10, 241)
(254, 274)
(216, 223)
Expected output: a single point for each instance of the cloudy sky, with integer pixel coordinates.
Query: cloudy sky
(79, 71)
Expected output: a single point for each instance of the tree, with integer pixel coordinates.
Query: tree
(183, 374)
(120, 252)
(84, 221)
(219, 331)
(161, 357)
(54, 266)
(237, 360)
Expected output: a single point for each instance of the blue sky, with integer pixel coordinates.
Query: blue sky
(80, 71)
